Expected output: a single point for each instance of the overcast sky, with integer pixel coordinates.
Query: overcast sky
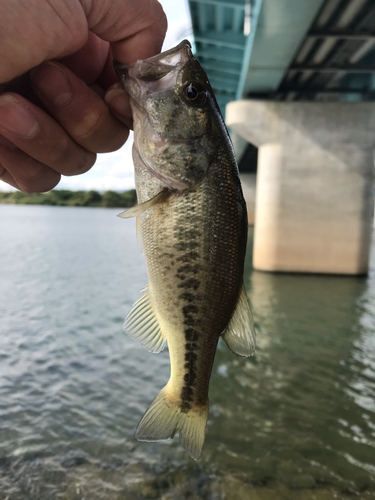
(115, 170)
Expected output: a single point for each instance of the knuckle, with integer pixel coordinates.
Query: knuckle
(40, 184)
(68, 36)
(82, 164)
(161, 17)
(115, 141)
(57, 150)
(100, 132)
(89, 125)
(27, 188)
(158, 21)
(33, 173)
(69, 158)
(152, 14)
(32, 178)
(49, 184)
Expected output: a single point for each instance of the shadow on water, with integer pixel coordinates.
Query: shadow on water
(296, 422)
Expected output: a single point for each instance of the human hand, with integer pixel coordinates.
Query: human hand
(63, 117)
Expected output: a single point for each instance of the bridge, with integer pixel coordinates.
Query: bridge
(295, 80)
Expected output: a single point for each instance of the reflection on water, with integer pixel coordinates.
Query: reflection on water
(295, 422)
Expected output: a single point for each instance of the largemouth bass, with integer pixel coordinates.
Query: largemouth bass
(193, 224)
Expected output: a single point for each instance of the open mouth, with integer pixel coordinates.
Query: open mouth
(156, 68)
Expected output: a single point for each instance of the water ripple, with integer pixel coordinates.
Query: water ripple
(297, 422)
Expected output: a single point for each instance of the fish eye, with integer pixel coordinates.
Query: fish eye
(194, 93)
(191, 92)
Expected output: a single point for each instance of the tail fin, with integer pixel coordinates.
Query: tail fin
(164, 418)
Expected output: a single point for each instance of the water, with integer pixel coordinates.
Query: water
(297, 422)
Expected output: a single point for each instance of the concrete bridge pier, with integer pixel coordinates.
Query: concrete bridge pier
(314, 194)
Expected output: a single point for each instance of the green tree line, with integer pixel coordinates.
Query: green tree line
(64, 197)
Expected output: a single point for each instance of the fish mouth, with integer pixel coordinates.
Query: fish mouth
(153, 75)
(156, 67)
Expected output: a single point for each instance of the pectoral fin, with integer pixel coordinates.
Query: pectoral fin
(142, 207)
(240, 332)
(142, 325)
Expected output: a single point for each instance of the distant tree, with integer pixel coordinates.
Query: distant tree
(6, 197)
(60, 196)
(18, 197)
(72, 198)
(92, 198)
(112, 199)
(77, 198)
(129, 198)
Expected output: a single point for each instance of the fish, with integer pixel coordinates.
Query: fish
(192, 221)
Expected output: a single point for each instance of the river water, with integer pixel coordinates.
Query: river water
(296, 422)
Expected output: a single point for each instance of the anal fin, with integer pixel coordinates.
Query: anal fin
(142, 325)
(240, 332)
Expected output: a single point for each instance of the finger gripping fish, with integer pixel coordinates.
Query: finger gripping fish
(193, 223)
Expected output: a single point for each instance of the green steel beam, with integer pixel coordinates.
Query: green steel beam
(219, 18)
(219, 42)
(238, 18)
(341, 36)
(322, 90)
(223, 39)
(223, 55)
(202, 16)
(223, 69)
(223, 3)
(224, 93)
(280, 30)
(223, 100)
(333, 69)
(255, 12)
(219, 85)
(223, 77)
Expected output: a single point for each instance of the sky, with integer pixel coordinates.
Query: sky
(115, 170)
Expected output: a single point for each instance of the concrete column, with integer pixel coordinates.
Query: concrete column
(314, 195)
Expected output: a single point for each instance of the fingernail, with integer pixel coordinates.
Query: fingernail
(16, 119)
(53, 84)
(118, 100)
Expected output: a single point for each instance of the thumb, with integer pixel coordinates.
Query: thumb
(135, 28)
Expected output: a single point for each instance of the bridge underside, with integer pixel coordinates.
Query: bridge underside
(335, 59)
(297, 87)
(287, 49)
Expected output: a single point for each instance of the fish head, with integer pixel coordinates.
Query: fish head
(174, 113)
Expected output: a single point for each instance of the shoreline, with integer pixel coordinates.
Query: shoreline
(64, 197)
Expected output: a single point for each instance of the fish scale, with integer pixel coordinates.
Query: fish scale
(194, 231)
